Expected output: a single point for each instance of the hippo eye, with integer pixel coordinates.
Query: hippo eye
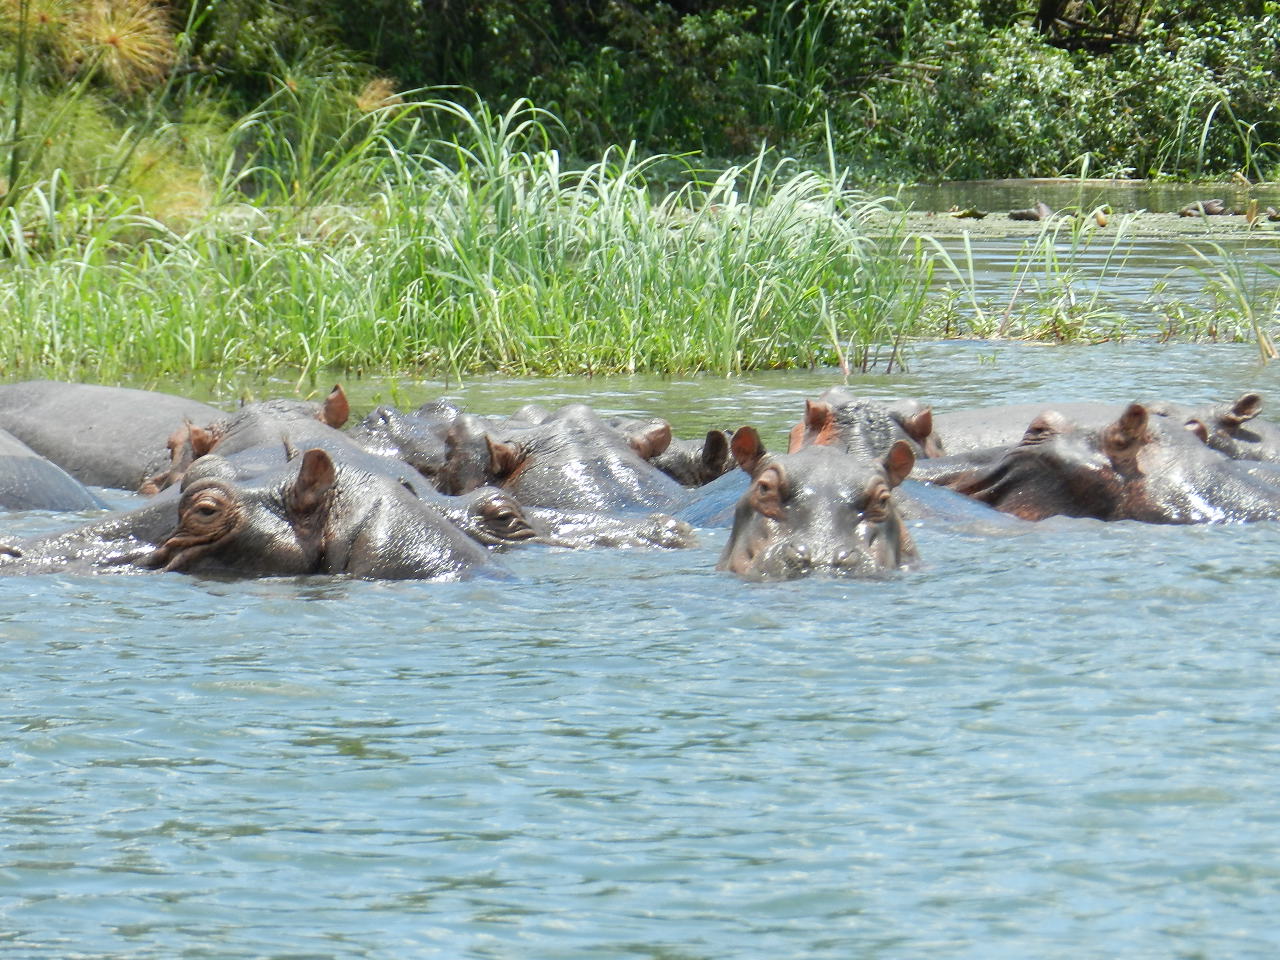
(768, 494)
(205, 510)
(877, 504)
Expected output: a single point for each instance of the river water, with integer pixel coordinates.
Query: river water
(1053, 741)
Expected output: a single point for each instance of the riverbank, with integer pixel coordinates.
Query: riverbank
(1135, 223)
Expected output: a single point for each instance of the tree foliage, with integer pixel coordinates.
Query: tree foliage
(911, 88)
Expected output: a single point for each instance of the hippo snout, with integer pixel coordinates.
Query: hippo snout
(792, 559)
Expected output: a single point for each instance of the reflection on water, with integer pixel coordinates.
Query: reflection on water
(1053, 741)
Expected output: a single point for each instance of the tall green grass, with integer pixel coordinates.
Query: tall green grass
(386, 246)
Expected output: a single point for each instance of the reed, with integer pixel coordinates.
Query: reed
(383, 245)
(1239, 302)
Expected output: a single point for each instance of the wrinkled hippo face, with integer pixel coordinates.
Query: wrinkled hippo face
(224, 528)
(494, 518)
(819, 510)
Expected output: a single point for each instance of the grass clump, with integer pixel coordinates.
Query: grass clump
(381, 244)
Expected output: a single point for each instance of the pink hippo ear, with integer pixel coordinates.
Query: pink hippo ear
(336, 410)
(1196, 426)
(1127, 434)
(1246, 407)
(316, 478)
(898, 462)
(748, 449)
(817, 428)
(919, 427)
(504, 458)
(203, 440)
(651, 440)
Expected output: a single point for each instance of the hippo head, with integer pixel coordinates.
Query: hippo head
(818, 509)
(1138, 467)
(333, 411)
(189, 442)
(574, 460)
(1233, 429)
(473, 458)
(276, 530)
(694, 463)
(418, 441)
(494, 518)
(864, 426)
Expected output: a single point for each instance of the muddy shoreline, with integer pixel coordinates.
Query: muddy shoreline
(1140, 224)
(1131, 208)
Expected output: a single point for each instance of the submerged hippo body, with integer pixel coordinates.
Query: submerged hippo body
(818, 509)
(29, 481)
(1137, 467)
(102, 436)
(314, 516)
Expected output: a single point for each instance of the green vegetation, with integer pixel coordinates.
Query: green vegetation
(476, 253)
(217, 185)
(911, 88)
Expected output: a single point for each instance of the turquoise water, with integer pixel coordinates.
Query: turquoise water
(1053, 741)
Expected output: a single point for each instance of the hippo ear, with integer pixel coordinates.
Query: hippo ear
(1133, 422)
(315, 479)
(920, 426)
(1197, 427)
(819, 423)
(650, 440)
(1046, 425)
(504, 458)
(715, 450)
(1127, 433)
(1246, 407)
(748, 449)
(336, 410)
(202, 440)
(898, 462)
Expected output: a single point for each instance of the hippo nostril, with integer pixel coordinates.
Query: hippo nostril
(799, 556)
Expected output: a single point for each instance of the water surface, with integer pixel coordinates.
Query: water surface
(1053, 741)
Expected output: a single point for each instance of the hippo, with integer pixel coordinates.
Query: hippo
(102, 436)
(573, 461)
(262, 425)
(1137, 467)
(864, 426)
(983, 428)
(1234, 429)
(312, 516)
(817, 509)
(417, 440)
(29, 481)
(694, 463)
